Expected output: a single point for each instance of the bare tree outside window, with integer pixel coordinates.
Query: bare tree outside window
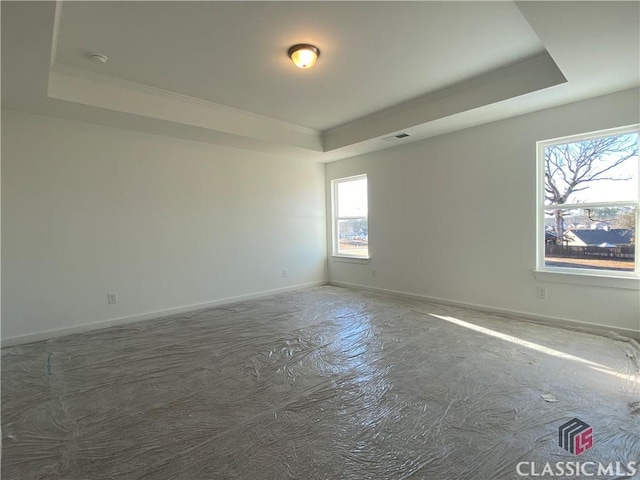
(590, 202)
(572, 167)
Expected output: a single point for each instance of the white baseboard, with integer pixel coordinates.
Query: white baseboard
(552, 321)
(543, 319)
(59, 332)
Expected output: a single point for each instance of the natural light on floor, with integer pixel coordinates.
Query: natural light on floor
(540, 348)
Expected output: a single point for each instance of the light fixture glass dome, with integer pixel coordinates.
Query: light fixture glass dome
(304, 55)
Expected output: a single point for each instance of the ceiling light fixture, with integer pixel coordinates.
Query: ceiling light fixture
(304, 55)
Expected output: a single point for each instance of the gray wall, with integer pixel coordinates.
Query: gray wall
(166, 223)
(453, 217)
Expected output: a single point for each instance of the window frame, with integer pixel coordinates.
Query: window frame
(335, 241)
(583, 276)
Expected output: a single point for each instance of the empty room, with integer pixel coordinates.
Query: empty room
(320, 240)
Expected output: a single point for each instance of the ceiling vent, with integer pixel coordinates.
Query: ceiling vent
(395, 137)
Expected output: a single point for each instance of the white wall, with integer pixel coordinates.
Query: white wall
(453, 217)
(165, 223)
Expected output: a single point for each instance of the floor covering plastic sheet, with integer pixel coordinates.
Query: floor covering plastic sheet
(323, 383)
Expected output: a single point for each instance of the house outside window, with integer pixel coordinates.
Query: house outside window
(588, 202)
(350, 217)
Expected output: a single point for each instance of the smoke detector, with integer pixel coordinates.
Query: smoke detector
(98, 57)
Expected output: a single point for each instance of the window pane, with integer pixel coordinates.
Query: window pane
(353, 237)
(597, 238)
(596, 170)
(352, 198)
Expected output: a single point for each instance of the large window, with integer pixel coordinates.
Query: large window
(350, 211)
(588, 203)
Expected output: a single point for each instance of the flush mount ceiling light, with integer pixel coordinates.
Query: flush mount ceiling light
(304, 55)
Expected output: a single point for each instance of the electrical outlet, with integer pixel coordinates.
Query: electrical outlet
(373, 273)
(542, 292)
(285, 273)
(112, 298)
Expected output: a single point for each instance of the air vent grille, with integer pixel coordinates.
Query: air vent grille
(395, 137)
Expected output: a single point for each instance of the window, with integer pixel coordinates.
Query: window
(588, 203)
(350, 212)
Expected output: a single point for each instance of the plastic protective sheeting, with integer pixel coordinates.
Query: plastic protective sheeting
(325, 383)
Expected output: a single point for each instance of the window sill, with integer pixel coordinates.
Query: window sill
(347, 259)
(588, 279)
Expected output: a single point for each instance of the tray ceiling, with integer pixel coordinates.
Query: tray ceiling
(218, 71)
